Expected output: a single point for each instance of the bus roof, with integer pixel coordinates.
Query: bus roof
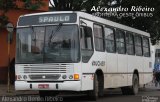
(94, 18)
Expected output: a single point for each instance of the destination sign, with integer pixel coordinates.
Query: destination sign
(59, 18)
(47, 19)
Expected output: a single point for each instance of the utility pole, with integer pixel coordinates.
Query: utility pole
(10, 29)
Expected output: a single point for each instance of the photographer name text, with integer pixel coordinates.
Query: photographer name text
(123, 9)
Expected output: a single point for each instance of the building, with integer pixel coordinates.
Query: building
(13, 16)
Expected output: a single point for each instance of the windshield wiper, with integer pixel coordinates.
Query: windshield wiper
(33, 33)
(54, 33)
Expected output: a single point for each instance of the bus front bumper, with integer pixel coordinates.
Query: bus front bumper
(64, 86)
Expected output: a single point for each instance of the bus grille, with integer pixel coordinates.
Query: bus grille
(48, 77)
(49, 69)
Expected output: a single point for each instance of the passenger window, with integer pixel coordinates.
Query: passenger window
(120, 41)
(138, 45)
(130, 44)
(110, 40)
(146, 48)
(98, 35)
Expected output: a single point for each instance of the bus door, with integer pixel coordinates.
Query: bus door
(86, 41)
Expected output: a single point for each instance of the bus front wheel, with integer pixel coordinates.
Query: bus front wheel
(93, 94)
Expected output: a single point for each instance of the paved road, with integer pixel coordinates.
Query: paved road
(149, 94)
(145, 95)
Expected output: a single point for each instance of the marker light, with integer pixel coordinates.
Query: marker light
(76, 76)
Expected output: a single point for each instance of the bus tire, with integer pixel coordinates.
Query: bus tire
(101, 86)
(135, 84)
(93, 94)
(125, 90)
(133, 90)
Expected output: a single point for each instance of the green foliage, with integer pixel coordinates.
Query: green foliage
(28, 4)
(3, 21)
(151, 25)
(6, 5)
(74, 5)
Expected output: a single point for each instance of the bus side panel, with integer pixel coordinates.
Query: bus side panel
(122, 69)
(135, 63)
(140, 68)
(148, 65)
(89, 69)
(111, 77)
(131, 66)
(148, 78)
(87, 82)
(147, 70)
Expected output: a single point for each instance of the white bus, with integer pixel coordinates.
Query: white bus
(76, 51)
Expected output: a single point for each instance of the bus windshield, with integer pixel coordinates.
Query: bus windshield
(50, 44)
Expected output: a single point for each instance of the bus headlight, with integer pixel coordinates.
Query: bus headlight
(71, 77)
(19, 77)
(25, 77)
(64, 76)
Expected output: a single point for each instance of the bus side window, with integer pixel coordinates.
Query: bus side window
(138, 45)
(120, 41)
(146, 48)
(98, 37)
(130, 43)
(86, 38)
(86, 43)
(110, 40)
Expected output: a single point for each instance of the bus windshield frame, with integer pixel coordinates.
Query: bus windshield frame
(48, 44)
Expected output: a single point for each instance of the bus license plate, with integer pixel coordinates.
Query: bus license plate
(43, 86)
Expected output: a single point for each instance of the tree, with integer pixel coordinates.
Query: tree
(74, 5)
(148, 24)
(6, 5)
(151, 25)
